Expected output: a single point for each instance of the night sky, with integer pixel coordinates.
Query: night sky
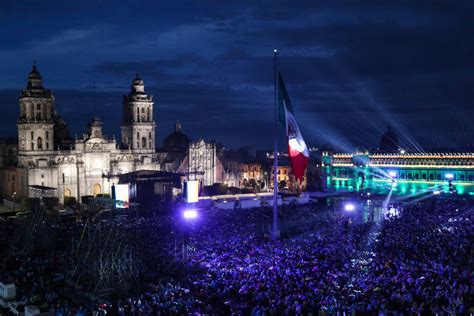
(351, 67)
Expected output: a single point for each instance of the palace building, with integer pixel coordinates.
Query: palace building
(399, 172)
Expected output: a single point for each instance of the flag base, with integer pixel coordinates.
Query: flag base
(275, 234)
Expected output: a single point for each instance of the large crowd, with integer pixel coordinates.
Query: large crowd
(419, 262)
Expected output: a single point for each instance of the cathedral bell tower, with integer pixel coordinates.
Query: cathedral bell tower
(138, 126)
(35, 125)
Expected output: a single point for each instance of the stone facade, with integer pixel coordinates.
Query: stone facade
(85, 166)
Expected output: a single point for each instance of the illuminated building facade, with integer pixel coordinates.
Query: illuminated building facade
(401, 173)
(285, 177)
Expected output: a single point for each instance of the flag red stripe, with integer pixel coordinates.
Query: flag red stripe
(298, 163)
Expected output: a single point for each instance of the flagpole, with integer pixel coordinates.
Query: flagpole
(275, 231)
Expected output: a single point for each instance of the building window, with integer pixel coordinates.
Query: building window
(431, 176)
(149, 144)
(462, 177)
(138, 135)
(96, 189)
(40, 143)
(144, 142)
(138, 145)
(38, 106)
(423, 176)
(32, 146)
(64, 178)
(32, 135)
(438, 176)
(47, 135)
(417, 176)
(42, 176)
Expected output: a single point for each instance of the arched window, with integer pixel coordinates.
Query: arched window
(67, 192)
(96, 189)
(143, 142)
(462, 177)
(438, 176)
(423, 176)
(40, 143)
(417, 176)
(431, 176)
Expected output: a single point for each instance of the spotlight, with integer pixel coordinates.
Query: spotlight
(449, 176)
(394, 184)
(349, 207)
(437, 192)
(393, 174)
(190, 214)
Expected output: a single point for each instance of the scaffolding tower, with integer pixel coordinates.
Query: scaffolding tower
(35, 233)
(104, 261)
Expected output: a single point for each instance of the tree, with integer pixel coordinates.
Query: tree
(252, 183)
(282, 184)
(69, 201)
(234, 190)
(25, 204)
(50, 202)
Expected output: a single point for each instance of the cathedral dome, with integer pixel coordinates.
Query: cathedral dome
(176, 140)
(138, 86)
(35, 80)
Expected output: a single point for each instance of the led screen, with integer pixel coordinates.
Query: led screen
(192, 191)
(121, 195)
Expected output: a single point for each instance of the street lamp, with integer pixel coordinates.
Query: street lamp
(13, 198)
(190, 214)
(349, 207)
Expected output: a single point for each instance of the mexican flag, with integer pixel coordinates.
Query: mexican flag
(297, 149)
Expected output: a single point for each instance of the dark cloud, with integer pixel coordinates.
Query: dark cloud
(351, 67)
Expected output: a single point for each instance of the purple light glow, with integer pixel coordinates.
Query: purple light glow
(349, 207)
(449, 176)
(393, 174)
(190, 214)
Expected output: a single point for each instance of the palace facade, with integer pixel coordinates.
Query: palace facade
(399, 172)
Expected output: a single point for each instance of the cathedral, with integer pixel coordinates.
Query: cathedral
(46, 157)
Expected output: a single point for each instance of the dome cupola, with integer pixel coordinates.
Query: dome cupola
(35, 81)
(138, 86)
